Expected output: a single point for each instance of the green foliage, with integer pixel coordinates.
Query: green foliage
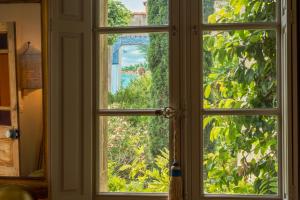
(158, 64)
(118, 15)
(135, 67)
(244, 11)
(208, 9)
(240, 69)
(135, 95)
(138, 175)
(240, 152)
(158, 11)
(240, 155)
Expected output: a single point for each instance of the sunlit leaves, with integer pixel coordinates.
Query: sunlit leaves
(232, 11)
(240, 151)
(240, 69)
(137, 176)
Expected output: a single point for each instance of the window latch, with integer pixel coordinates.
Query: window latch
(167, 112)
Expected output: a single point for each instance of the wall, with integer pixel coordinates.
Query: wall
(28, 28)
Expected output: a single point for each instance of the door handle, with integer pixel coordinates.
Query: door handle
(13, 134)
(168, 112)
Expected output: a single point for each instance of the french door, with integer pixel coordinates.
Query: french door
(222, 66)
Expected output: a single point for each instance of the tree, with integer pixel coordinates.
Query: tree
(240, 153)
(118, 15)
(158, 64)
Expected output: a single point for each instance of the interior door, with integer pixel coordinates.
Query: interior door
(9, 144)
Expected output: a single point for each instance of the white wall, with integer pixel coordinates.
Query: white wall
(28, 28)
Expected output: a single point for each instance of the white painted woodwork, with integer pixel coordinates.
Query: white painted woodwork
(70, 99)
(102, 142)
(289, 93)
(9, 148)
(72, 111)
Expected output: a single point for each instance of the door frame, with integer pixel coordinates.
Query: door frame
(38, 186)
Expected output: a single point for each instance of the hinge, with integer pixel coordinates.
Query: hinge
(174, 30)
(195, 29)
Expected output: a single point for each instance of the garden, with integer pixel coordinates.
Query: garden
(240, 154)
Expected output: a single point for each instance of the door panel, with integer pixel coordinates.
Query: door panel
(70, 105)
(9, 148)
(5, 118)
(4, 81)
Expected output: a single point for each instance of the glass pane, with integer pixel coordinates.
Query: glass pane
(240, 69)
(134, 71)
(3, 41)
(4, 81)
(121, 13)
(231, 11)
(134, 154)
(240, 155)
(5, 119)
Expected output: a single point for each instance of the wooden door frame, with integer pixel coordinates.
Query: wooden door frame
(38, 186)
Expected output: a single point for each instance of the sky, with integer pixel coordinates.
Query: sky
(134, 5)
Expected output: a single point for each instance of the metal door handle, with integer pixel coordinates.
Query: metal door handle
(168, 112)
(13, 134)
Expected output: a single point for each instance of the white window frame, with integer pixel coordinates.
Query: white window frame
(284, 110)
(185, 31)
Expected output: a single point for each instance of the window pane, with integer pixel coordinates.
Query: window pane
(231, 11)
(5, 118)
(134, 154)
(240, 155)
(3, 41)
(133, 71)
(240, 69)
(121, 13)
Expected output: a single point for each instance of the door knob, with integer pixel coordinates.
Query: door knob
(12, 134)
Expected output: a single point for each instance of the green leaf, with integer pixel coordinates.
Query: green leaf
(206, 121)
(214, 133)
(254, 38)
(207, 91)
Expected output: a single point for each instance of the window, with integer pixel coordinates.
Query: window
(226, 77)
(136, 66)
(240, 99)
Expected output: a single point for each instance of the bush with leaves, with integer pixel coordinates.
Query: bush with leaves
(118, 15)
(138, 175)
(241, 152)
(131, 165)
(158, 53)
